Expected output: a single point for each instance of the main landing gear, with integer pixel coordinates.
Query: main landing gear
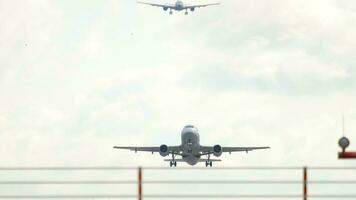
(173, 162)
(208, 162)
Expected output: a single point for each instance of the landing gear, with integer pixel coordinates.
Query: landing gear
(208, 162)
(170, 11)
(186, 12)
(173, 163)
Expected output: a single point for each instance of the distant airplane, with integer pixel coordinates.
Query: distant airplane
(190, 150)
(178, 6)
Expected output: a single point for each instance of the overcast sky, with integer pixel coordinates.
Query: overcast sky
(77, 77)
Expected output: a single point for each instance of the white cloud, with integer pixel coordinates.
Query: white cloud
(174, 90)
(275, 73)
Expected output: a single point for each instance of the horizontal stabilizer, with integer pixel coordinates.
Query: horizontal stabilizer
(200, 160)
(213, 160)
(178, 160)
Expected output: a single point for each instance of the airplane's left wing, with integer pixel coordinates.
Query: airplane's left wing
(246, 149)
(158, 5)
(199, 6)
(210, 149)
(171, 149)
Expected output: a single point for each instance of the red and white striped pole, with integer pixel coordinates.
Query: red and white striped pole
(139, 182)
(305, 183)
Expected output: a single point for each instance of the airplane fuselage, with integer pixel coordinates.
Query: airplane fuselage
(179, 6)
(190, 145)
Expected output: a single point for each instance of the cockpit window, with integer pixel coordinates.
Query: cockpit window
(189, 126)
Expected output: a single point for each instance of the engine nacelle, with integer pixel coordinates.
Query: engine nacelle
(217, 150)
(165, 8)
(192, 9)
(163, 150)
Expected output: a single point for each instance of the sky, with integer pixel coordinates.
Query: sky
(78, 77)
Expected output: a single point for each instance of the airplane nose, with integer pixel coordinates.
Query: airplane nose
(189, 133)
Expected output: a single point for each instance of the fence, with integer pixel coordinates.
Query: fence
(141, 185)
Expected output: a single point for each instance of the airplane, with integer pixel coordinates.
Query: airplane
(190, 149)
(178, 6)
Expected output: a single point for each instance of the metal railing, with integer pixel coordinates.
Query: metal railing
(303, 182)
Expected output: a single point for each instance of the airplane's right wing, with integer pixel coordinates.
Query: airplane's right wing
(136, 149)
(158, 5)
(170, 149)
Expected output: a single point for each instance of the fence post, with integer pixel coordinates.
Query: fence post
(139, 182)
(305, 183)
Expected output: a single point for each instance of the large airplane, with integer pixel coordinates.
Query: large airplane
(190, 150)
(178, 6)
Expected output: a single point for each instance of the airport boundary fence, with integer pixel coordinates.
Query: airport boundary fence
(335, 183)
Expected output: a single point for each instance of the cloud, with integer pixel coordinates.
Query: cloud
(252, 76)
(270, 70)
(77, 78)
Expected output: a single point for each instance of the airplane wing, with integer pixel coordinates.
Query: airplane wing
(171, 149)
(158, 5)
(209, 149)
(199, 6)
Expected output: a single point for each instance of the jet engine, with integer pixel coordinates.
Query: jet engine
(217, 150)
(165, 8)
(192, 9)
(163, 150)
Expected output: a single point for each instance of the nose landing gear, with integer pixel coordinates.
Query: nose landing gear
(186, 12)
(170, 12)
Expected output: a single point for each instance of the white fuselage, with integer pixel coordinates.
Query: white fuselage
(179, 5)
(190, 145)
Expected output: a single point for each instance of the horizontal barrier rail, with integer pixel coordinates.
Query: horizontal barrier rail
(168, 196)
(208, 182)
(139, 181)
(99, 168)
(64, 168)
